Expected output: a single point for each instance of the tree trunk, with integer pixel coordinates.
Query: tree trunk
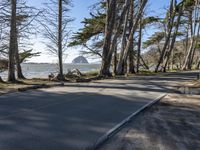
(115, 61)
(166, 61)
(131, 50)
(194, 49)
(130, 39)
(12, 46)
(61, 76)
(144, 64)
(131, 61)
(193, 26)
(198, 64)
(17, 60)
(1, 80)
(117, 32)
(192, 41)
(169, 31)
(139, 46)
(110, 20)
(185, 65)
(124, 41)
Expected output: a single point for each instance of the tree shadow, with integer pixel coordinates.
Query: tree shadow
(164, 126)
(47, 120)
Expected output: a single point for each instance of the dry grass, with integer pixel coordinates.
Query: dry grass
(23, 83)
(191, 84)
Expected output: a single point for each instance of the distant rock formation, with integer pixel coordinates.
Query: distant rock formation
(80, 60)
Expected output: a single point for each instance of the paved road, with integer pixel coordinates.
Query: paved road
(76, 115)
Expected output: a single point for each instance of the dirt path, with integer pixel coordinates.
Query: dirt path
(173, 124)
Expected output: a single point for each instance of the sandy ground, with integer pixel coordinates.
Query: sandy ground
(173, 124)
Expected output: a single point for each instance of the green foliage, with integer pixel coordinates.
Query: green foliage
(154, 39)
(188, 3)
(27, 54)
(150, 20)
(22, 56)
(92, 27)
(91, 73)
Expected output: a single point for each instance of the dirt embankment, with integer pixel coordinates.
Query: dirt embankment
(173, 124)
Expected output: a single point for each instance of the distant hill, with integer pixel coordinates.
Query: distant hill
(80, 60)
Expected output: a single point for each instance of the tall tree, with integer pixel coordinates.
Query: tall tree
(192, 7)
(25, 17)
(131, 65)
(110, 21)
(60, 54)
(139, 45)
(131, 35)
(169, 21)
(173, 40)
(56, 31)
(13, 41)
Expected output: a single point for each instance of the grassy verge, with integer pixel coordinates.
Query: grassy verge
(91, 74)
(5, 86)
(191, 84)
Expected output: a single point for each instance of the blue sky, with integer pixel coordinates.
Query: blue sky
(80, 10)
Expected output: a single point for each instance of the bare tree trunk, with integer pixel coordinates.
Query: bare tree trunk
(144, 64)
(139, 46)
(185, 65)
(172, 60)
(124, 35)
(169, 31)
(130, 39)
(17, 60)
(194, 49)
(117, 31)
(1, 80)
(198, 64)
(193, 26)
(18, 65)
(60, 41)
(192, 41)
(166, 61)
(12, 47)
(110, 20)
(131, 61)
(115, 61)
(131, 50)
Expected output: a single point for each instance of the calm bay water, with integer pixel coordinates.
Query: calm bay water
(43, 70)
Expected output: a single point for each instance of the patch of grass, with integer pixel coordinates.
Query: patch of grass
(23, 83)
(192, 84)
(144, 73)
(91, 73)
(147, 72)
(197, 83)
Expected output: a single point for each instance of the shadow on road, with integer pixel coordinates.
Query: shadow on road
(48, 121)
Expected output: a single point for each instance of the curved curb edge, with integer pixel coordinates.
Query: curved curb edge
(119, 126)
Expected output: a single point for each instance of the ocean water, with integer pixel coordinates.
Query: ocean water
(31, 70)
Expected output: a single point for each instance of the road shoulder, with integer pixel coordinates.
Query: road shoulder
(170, 125)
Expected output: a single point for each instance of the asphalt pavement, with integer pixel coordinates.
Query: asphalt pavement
(74, 116)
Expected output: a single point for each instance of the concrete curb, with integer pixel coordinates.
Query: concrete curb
(119, 126)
